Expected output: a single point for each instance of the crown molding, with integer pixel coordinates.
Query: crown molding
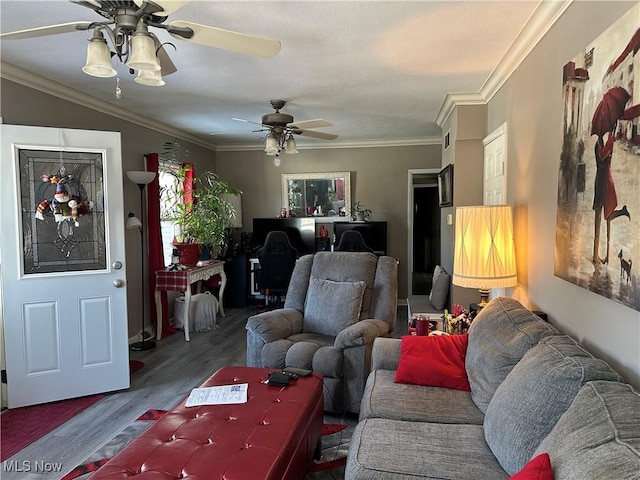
(452, 100)
(16, 74)
(394, 142)
(541, 20)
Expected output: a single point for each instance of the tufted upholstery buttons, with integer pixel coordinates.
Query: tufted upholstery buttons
(224, 441)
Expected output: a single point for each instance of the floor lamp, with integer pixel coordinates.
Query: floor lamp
(484, 252)
(142, 179)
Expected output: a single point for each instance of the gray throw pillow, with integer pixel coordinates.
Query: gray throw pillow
(598, 436)
(528, 403)
(332, 306)
(439, 288)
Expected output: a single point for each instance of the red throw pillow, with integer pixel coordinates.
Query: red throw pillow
(538, 468)
(436, 361)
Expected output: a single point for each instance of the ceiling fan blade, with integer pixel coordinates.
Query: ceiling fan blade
(44, 31)
(168, 6)
(248, 121)
(314, 134)
(166, 65)
(93, 4)
(310, 124)
(228, 40)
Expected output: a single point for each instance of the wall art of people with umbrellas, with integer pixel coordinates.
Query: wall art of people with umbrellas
(598, 219)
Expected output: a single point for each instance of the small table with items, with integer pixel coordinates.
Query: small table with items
(181, 281)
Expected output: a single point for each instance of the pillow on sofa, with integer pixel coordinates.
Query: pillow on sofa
(499, 336)
(439, 288)
(538, 468)
(436, 361)
(331, 306)
(599, 435)
(539, 389)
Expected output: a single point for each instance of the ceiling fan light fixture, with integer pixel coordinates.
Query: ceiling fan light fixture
(150, 79)
(271, 145)
(98, 58)
(143, 53)
(291, 147)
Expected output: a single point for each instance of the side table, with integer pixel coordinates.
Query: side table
(181, 281)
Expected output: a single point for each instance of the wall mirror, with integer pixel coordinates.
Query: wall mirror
(326, 194)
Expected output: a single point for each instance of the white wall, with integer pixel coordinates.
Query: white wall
(531, 104)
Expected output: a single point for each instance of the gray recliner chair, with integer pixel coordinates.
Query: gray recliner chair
(336, 305)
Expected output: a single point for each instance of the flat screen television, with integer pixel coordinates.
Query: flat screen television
(301, 232)
(374, 234)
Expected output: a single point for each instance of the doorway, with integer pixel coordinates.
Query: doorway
(424, 229)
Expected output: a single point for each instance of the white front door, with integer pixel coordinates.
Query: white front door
(63, 274)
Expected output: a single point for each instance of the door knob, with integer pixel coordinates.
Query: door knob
(118, 283)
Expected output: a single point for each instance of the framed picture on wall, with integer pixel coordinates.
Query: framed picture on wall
(445, 186)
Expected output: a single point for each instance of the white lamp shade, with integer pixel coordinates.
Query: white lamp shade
(149, 78)
(291, 146)
(133, 222)
(141, 178)
(271, 145)
(98, 59)
(484, 252)
(143, 53)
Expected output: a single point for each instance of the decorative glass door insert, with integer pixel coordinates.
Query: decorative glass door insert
(62, 211)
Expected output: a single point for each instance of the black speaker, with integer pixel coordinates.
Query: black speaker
(237, 291)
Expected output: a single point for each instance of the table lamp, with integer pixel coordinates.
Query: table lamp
(484, 253)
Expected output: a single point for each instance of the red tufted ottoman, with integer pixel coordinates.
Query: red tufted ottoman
(272, 436)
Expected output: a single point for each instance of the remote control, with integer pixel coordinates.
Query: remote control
(301, 372)
(292, 375)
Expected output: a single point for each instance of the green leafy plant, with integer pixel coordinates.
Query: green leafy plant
(209, 219)
(205, 218)
(359, 212)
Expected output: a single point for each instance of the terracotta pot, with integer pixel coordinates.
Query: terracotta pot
(189, 253)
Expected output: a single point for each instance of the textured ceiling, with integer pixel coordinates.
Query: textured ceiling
(376, 70)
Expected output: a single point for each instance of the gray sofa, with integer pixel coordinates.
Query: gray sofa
(533, 390)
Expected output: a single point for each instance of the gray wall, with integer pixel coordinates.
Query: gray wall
(379, 179)
(21, 105)
(467, 126)
(531, 104)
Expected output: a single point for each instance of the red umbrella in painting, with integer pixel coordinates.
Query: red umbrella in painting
(609, 111)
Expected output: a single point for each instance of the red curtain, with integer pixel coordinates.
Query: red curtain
(188, 185)
(154, 238)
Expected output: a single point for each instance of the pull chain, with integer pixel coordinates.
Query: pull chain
(62, 171)
(118, 89)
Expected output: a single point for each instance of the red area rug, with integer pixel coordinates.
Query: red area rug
(135, 366)
(23, 426)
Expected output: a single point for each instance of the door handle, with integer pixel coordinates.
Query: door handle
(118, 283)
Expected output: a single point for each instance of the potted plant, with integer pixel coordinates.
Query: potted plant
(204, 221)
(208, 221)
(359, 212)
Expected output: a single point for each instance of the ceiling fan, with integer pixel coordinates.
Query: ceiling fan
(127, 26)
(282, 128)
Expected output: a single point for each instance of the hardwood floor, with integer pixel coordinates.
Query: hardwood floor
(171, 370)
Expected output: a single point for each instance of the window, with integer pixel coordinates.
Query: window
(168, 179)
